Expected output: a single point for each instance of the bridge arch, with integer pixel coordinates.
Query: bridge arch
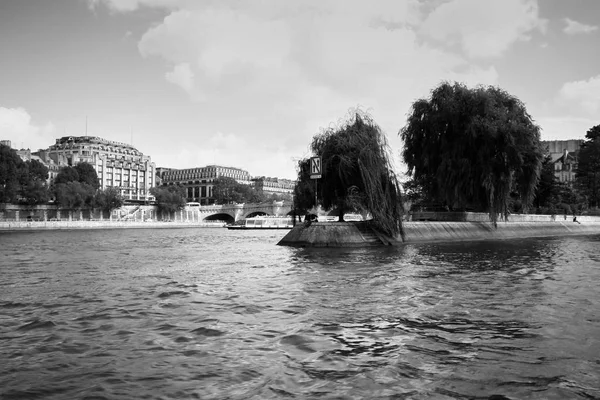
(220, 217)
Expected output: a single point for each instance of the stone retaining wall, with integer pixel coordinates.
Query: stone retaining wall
(345, 234)
(57, 225)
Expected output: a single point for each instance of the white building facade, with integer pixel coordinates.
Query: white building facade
(118, 165)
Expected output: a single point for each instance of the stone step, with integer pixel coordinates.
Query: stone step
(368, 235)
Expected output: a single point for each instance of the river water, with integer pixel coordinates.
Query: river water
(217, 314)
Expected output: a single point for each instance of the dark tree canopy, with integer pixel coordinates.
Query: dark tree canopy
(82, 173)
(588, 167)
(227, 190)
(356, 173)
(74, 195)
(593, 133)
(304, 191)
(35, 192)
(36, 171)
(108, 199)
(21, 181)
(547, 186)
(169, 198)
(474, 146)
(87, 174)
(13, 174)
(66, 175)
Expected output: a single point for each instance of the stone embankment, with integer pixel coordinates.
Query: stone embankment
(346, 234)
(106, 224)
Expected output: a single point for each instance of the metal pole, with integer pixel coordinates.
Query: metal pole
(316, 195)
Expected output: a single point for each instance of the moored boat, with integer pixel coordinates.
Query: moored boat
(264, 222)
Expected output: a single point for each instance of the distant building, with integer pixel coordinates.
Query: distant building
(564, 155)
(118, 165)
(25, 154)
(273, 186)
(198, 182)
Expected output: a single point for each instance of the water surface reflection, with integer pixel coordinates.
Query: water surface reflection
(218, 314)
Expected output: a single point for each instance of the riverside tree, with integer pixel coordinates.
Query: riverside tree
(227, 190)
(12, 174)
(83, 173)
(75, 187)
(22, 181)
(356, 173)
(473, 148)
(108, 199)
(169, 198)
(587, 175)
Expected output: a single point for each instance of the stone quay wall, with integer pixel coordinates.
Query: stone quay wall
(346, 234)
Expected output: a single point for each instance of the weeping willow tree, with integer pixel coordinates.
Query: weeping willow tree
(475, 147)
(356, 174)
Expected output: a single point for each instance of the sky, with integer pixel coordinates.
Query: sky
(248, 83)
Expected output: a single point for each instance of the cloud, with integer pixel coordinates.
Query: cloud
(131, 5)
(581, 95)
(16, 125)
(484, 28)
(182, 76)
(575, 28)
(566, 127)
(279, 54)
(272, 73)
(268, 159)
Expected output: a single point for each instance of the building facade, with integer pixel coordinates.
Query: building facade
(564, 155)
(274, 186)
(118, 165)
(198, 182)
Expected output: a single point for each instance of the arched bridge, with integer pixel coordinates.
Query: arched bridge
(234, 212)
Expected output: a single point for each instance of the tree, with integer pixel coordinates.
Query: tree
(547, 186)
(74, 195)
(227, 190)
(35, 189)
(474, 146)
(304, 190)
(36, 171)
(75, 187)
(169, 198)
(82, 173)
(35, 192)
(108, 199)
(356, 173)
(13, 175)
(66, 175)
(587, 175)
(87, 174)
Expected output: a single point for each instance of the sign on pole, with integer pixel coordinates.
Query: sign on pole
(315, 168)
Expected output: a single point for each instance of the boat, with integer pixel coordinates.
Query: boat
(264, 222)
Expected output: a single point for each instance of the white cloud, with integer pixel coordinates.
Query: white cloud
(234, 151)
(484, 28)
(16, 125)
(581, 95)
(131, 5)
(574, 28)
(182, 76)
(261, 49)
(273, 72)
(564, 128)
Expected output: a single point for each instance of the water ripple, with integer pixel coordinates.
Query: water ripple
(217, 314)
